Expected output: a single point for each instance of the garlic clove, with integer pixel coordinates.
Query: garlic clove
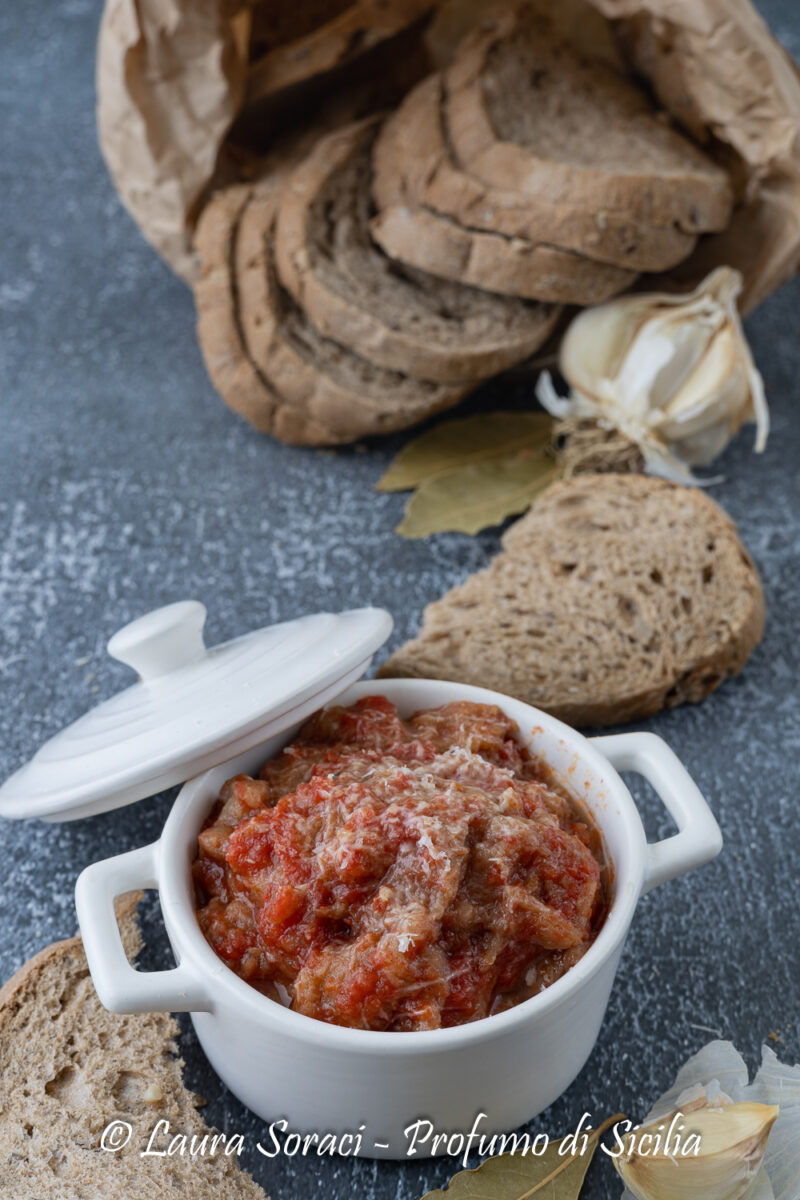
(673, 373)
(665, 352)
(702, 448)
(703, 401)
(595, 344)
(720, 1152)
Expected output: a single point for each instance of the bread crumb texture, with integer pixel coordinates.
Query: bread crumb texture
(614, 597)
(70, 1068)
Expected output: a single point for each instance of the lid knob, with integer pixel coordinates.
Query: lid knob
(162, 640)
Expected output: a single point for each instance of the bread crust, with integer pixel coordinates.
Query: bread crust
(576, 616)
(231, 371)
(242, 386)
(349, 34)
(697, 198)
(412, 160)
(125, 907)
(343, 287)
(430, 241)
(256, 371)
(71, 1069)
(345, 413)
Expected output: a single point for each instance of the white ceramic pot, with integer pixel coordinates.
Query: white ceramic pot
(323, 1078)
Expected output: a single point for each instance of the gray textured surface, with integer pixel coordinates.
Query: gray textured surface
(125, 484)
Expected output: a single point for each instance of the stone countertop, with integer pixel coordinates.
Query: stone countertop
(126, 484)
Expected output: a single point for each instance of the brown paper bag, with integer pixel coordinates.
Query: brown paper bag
(171, 79)
(716, 67)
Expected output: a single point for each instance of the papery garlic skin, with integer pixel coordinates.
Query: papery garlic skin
(732, 1141)
(673, 373)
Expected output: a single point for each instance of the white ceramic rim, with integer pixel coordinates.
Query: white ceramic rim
(189, 943)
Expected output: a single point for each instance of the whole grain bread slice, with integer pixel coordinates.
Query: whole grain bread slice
(525, 112)
(266, 360)
(348, 395)
(614, 597)
(242, 386)
(413, 163)
(70, 1068)
(349, 33)
(429, 241)
(404, 320)
(417, 235)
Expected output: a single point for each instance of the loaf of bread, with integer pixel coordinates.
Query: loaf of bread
(410, 321)
(614, 597)
(70, 1068)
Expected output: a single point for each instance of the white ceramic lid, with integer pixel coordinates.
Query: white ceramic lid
(192, 708)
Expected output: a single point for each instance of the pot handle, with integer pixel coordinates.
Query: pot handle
(698, 839)
(120, 987)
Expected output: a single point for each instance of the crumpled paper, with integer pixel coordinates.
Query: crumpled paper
(171, 76)
(717, 68)
(170, 81)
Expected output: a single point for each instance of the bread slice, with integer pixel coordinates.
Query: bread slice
(337, 389)
(403, 320)
(419, 237)
(273, 25)
(242, 386)
(614, 597)
(413, 163)
(70, 1068)
(350, 32)
(263, 356)
(525, 112)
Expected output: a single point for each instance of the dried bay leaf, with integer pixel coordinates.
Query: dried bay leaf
(522, 1176)
(473, 472)
(478, 495)
(464, 441)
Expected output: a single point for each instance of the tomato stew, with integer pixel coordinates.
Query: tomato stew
(400, 875)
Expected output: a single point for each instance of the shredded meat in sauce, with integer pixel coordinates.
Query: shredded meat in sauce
(400, 875)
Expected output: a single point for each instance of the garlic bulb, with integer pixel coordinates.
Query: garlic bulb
(707, 1152)
(673, 373)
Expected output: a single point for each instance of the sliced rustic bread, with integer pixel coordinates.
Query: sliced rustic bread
(352, 31)
(336, 389)
(525, 112)
(262, 354)
(242, 386)
(614, 597)
(422, 238)
(70, 1068)
(403, 320)
(274, 25)
(414, 164)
